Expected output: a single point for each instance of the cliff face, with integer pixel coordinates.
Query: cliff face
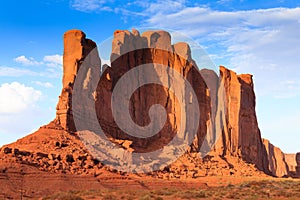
(152, 48)
(290, 159)
(240, 134)
(298, 165)
(76, 48)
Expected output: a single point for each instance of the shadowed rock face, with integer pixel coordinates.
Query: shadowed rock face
(277, 162)
(298, 165)
(76, 48)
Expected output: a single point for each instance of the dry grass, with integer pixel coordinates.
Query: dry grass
(254, 189)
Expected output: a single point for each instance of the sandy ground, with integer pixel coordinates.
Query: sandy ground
(31, 183)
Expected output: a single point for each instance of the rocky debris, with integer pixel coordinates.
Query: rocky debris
(277, 163)
(71, 159)
(7, 150)
(191, 165)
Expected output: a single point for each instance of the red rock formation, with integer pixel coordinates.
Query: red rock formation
(290, 159)
(240, 136)
(277, 163)
(130, 50)
(76, 48)
(230, 103)
(298, 165)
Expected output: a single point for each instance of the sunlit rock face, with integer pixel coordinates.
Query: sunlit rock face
(240, 136)
(76, 48)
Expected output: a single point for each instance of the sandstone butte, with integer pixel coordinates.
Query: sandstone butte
(227, 100)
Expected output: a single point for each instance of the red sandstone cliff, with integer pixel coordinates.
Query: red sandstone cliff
(290, 159)
(298, 165)
(154, 48)
(277, 161)
(235, 119)
(240, 133)
(76, 48)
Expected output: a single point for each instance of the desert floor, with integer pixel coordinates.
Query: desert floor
(31, 183)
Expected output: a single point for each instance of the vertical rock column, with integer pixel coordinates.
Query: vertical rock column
(277, 163)
(298, 165)
(76, 48)
(240, 135)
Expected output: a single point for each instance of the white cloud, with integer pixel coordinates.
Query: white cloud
(262, 42)
(44, 84)
(16, 72)
(53, 60)
(49, 60)
(16, 97)
(126, 8)
(105, 62)
(165, 6)
(90, 5)
(26, 61)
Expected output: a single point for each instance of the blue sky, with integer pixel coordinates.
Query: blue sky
(257, 37)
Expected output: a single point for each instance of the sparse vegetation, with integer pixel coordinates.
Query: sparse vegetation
(64, 196)
(256, 189)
